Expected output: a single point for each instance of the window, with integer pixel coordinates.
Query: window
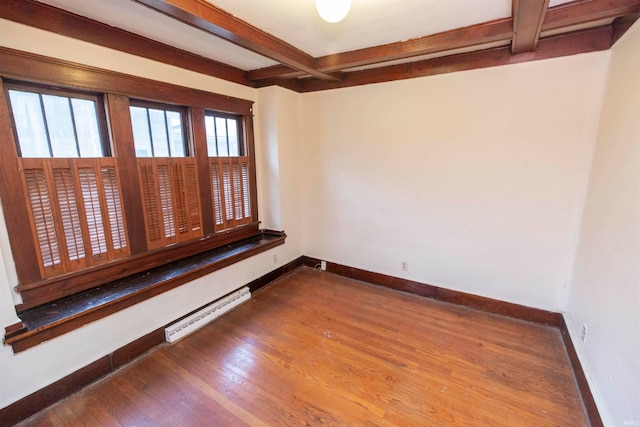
(116, 179)
(223, 138)
(229, 171)
(157, 132)
(168, 179)
(73, 193)
(55, 125)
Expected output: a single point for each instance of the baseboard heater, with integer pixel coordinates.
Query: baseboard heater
(209, 313)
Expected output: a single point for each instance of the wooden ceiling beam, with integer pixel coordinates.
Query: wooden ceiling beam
(585, 11)
(475, 35)
(65, 23)
(528, 16)
(213, 20)
(622, 24)
(561, 16)
(590, 40)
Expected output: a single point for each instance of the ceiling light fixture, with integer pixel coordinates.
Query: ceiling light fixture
(333, 10)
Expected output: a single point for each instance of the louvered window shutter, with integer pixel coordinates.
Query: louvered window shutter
(230, 187)
(171, 200)
(75, 211)
(70, 216)
(42, 221)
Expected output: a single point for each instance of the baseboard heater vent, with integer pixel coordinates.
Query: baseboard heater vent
(211, 312)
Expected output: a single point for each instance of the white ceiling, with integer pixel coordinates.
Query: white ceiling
(369, 23)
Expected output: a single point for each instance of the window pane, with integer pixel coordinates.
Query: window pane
(221, 130)
(212, 148)
(86, 120)
(27, 115)
(176, 135)
(223, 139)
(158, 133)
(232, 128)
(60, 125)
(141, 134)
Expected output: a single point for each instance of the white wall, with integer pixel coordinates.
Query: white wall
(475, 178)
(39, 366)
(279, 176)
(605, 289)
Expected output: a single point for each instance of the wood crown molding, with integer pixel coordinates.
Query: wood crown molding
(532, 20)
(213, 20)
(567, 15)
(591, 40)
(33, 68)
(58, 21)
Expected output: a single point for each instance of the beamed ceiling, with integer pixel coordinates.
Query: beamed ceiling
(284, 42)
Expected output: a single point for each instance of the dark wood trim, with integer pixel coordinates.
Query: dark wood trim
(250, 146)
(291, 84)
(68, 385)
(213, 20)
(272, 276)
(585, 11)
(622, 24)
(15, 329)
(199, 136)
(34, 68)
(48, 395)
(137, 348)
(14, 203)
(488, 32)
(24, 66)
(44, 291)
(35, 402)
(556, 18)
(528, 16)
(121, 133)
(49, 321)
(489, 305)
(561, 18)
(583, 386)
(49, 18)
(591, 40)
(258, 283)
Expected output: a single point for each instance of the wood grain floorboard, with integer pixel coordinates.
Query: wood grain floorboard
(315, 348)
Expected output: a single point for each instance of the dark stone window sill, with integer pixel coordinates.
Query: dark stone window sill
(53, 319)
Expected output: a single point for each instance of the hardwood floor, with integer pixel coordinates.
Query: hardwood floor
(318, 349)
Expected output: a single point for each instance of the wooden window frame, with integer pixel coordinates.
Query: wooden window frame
(242, 148)
(184, 114)
(97, 98)
(118, 91)
(229, 177)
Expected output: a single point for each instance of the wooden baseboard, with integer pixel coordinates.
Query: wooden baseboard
(275, 274)
(35, 402)
(47, 396)
(516, 311)
(583, 386)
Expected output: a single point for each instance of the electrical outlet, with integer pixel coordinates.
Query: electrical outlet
(584, 333)
(323, 265)
(275, 258)
(404, 266)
